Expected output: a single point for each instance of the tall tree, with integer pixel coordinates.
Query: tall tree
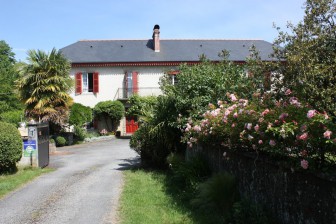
(310, 51)
(45, 85)
(8, 74)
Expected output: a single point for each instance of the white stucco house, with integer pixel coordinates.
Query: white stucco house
(116, 69)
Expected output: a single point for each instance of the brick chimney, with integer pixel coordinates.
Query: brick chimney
(156, 38)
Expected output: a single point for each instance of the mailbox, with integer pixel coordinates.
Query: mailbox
(36, 145)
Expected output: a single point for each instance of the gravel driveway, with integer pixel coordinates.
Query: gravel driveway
(85, 187)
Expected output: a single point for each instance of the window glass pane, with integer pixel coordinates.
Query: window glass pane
(129, 84)
(90, 82)
(85, 82)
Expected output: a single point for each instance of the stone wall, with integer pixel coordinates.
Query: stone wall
(289, 196)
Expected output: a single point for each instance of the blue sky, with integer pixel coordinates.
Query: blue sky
(44, 24)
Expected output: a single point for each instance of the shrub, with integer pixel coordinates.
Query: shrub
(92, 134)
(113, 110)
(10, 146)
(157, 138)
(60, 141)
(140, 104)
(79, 133)
(217, 194)
(13, 117)
(189, 174)
(80, 114)
(286, 129)
(245, 211)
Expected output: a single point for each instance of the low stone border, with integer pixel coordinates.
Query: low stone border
(100, 138)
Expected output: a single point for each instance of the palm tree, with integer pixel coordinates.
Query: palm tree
(45, 85)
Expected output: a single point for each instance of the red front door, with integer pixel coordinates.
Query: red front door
(131, 124)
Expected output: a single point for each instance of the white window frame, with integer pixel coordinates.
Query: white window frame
(85, 82)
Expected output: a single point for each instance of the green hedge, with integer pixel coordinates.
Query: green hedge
(60, 141)
(80, 114)
(10, 146)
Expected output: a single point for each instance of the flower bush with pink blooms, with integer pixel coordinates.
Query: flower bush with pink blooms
(285, 128)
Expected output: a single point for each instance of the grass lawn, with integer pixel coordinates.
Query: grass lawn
(10, 182)
(144, 200)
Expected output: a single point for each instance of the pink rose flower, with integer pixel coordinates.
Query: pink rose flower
(304, 164)
(260, 142)
(283, 116)
(288, 92)
(311, 113)
(233, 97)
(327, 134)
(265, 112)
(303, 128)
(294, 101)
(188, 127)
(272, 143)
(304, 136)
(197, 128)
(227, 113)
(256, 128)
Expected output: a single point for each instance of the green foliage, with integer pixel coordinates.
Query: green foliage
(60, 141)
(284, 129)
(10, 146)
(310, 51)
(92, 134)
(189, 174)
(80, 114)
(245, 211)
(113, 109)
(140, 104)
(160, 130)
(79, 133)
(206, 83)
(157, 137)
(13, 117)
(45, 85)
(8, 74)
(217, 194)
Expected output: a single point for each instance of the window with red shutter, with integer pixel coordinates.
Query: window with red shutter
(95, 82)
(78, 83)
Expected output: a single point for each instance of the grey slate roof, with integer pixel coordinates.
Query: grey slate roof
(96, 51)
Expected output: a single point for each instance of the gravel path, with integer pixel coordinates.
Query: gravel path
(85, 187)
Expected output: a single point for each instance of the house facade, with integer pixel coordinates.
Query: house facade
(117, 69)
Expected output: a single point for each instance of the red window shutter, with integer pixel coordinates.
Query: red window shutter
(78, 83)
(135, 82)
(95, 82)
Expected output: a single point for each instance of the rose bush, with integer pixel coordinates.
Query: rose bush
(283, 127)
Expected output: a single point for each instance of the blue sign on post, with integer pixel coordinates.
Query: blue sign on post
(29, 148)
